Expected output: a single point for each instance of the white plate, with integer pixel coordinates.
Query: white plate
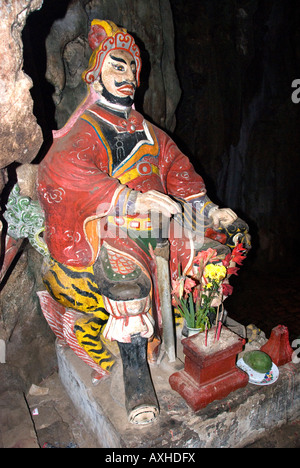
(257, 378)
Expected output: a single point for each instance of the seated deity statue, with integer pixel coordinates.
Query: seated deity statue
(114, 190)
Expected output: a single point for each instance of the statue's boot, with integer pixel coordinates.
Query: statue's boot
(140, 399)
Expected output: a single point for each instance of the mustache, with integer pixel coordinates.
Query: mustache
(122, 83)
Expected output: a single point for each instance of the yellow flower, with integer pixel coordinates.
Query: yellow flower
(208, 285)
(215, 272)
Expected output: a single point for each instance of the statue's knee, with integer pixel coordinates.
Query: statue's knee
(126, 292)
(129, 285)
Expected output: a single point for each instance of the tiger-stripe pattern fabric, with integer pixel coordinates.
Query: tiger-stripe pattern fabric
(78, 289)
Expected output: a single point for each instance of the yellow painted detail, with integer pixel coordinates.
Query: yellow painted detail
(73, 290)
(134, 174)
(88, 332)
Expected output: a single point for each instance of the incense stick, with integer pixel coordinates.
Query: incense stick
(220, 324)
(217, 319)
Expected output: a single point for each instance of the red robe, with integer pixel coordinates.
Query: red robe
(78, 183)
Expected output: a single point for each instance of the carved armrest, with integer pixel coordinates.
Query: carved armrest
(231, 235)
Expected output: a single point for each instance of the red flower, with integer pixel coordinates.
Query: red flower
(232, 271)
(195, 294)
(238, 254)
(182, 286)
(227, 260)
(177, 286)
(238, 259)
(205, 256)
(227, 289)
(189, 285)
(239, 248)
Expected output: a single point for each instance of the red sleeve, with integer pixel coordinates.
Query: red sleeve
(77, 164)
(73, 186)
(178, 174)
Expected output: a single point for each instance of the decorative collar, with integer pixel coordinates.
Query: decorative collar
(122, 118)
(117, 108)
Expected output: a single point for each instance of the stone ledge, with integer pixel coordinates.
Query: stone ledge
(237, 420)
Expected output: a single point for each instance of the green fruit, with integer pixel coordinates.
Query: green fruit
(258, 361)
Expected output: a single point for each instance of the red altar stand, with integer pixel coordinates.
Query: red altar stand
(210, 372)
(278, 346)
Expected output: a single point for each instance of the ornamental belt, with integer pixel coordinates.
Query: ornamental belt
(131, 222)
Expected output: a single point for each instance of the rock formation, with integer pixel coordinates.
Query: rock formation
(20, 135)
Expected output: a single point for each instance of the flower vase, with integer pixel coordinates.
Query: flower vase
(192, 331)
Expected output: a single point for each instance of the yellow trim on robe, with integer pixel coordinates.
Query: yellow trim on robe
(134, 173)
(205, 205)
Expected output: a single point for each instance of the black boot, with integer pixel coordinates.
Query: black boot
(140, 399)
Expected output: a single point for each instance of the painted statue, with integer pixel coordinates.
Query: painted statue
(105, 186)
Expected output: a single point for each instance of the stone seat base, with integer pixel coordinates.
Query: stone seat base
(235, 421)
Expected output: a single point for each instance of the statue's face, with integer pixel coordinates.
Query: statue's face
(118, 77)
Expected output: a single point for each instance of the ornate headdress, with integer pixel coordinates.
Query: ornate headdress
(103, 37)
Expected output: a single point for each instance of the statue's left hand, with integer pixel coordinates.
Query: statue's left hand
(223, 217)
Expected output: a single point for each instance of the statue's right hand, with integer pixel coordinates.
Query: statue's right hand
(158, 202)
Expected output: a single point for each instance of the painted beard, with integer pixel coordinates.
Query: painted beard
(123, 101)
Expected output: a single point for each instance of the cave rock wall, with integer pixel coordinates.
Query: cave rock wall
(20, 135)
(236, 62)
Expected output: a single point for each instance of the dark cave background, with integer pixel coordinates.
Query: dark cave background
(236, 61)
(236, 118)
(229, 109)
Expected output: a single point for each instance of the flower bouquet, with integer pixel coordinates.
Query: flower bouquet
(203, 286)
